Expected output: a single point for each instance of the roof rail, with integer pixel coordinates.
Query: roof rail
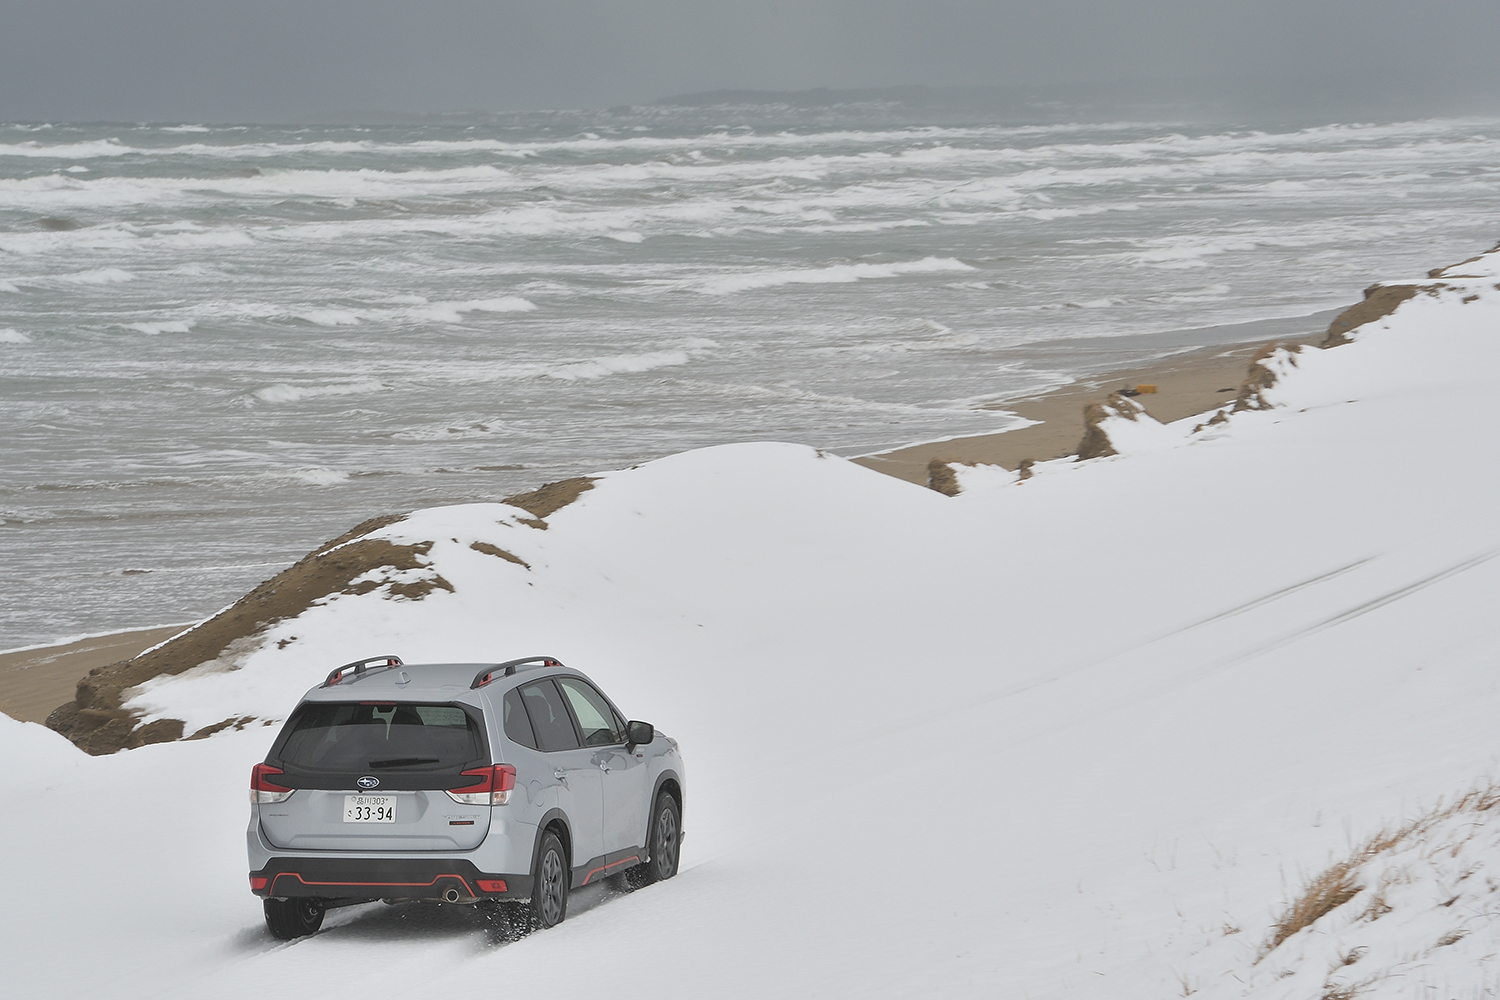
(509, 667)
(360, 666)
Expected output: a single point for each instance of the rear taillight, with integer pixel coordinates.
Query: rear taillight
(263, 789)
(492, 786)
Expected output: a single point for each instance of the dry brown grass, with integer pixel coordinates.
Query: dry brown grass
(1343, 991)
(1321, 896)
(1341, 882)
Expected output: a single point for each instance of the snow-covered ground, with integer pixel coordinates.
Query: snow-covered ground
(1085, 736)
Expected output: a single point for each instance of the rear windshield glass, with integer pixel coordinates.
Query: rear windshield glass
(340, 736)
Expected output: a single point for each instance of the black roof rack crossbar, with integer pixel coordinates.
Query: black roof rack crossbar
(360, 666)
(509, 667)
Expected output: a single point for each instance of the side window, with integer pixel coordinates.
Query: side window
(549, 717)
(517, 725)
(595, 718)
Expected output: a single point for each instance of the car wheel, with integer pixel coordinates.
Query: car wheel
(549, 894)
(663, 843)
(293, 918)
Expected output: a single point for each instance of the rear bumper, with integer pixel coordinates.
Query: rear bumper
(384, 878)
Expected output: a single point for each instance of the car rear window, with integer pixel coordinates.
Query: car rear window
(345, 736)
(517, 725)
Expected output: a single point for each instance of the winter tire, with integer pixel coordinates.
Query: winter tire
(663, 843)
(549, 895)
(293, 918)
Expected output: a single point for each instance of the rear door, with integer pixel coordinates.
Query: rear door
(371, 776)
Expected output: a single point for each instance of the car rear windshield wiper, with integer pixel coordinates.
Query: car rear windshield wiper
(403, 761)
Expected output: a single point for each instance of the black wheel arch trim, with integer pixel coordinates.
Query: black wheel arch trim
(548, 818)
(661, 780)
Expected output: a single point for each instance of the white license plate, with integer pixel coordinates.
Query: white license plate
(369, 808)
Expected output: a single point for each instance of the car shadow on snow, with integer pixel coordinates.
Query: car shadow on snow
(413, 921)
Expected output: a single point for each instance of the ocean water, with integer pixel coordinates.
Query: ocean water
(221, 345)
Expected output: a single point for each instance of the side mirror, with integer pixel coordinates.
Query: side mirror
(640, 733)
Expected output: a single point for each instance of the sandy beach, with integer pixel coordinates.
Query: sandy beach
(35, 681)
(1187, 384)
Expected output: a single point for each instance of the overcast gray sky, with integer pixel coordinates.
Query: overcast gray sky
(279, 60)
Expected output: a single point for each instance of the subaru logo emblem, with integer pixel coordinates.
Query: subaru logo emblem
(368, 781)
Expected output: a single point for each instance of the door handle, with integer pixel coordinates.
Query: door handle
(604, 768)
(560, 774)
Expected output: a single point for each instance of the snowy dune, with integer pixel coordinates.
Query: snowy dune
(1084, 736)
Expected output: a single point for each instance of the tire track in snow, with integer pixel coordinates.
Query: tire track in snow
(1357, 611)
(1239, 609)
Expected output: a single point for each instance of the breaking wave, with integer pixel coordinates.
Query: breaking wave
(282, 392)
(837, 274)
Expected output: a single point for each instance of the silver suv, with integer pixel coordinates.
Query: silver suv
(501, 784)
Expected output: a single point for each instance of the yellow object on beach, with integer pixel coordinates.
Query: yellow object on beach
(1145, 388)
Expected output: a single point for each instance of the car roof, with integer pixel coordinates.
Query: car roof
(418, 681)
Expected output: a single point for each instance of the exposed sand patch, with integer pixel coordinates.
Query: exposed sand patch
(941, 477)
(495, 550)
(550, 498)
(1379, 302)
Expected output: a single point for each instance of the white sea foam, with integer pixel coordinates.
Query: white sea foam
(8, 286)
(100, 276)
(66, 151)
(320, 476)
(837, 274)
(622, 364)
(9, 335)
(211, 238)
(618, 365)
(330, 317)
(283, 392)
(1189, 252)
(453, 312)
(588, 142)
(166, 326)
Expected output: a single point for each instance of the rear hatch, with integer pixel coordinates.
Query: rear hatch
(373, 776)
